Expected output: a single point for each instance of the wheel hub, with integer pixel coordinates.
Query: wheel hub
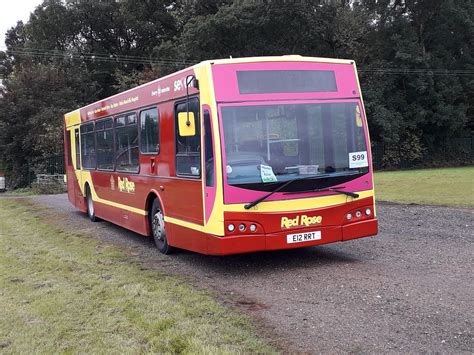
(158, 226)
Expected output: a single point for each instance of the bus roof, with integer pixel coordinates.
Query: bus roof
(286, 58)
(283, 58)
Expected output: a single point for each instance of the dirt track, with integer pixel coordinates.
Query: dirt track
(408, 290)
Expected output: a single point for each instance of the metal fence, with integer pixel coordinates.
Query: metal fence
(455, 152)
(52, 165)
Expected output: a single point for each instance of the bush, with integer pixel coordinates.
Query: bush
(48, 188)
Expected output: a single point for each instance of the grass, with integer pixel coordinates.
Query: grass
(446, 186)
(66, 292)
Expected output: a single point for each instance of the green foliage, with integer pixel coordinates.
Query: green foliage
(410, 151)
(35, 97)
(422, 109)
(415, 60)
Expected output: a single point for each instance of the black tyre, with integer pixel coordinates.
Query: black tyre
(157, 227)
(90, 205)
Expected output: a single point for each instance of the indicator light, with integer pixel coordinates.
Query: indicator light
(349, 216)
(230, 227)
(368, 212)
(253, 227)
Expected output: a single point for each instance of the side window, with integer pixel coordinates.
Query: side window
(88, 152)
(104, 136)
(126, 143)
(188, 148)
(208, 149)
(78, 148)
(149, 131)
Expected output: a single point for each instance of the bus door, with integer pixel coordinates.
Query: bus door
(69, 167)
(73, 179)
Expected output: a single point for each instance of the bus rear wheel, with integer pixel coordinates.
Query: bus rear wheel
(90, 205)
(158, 231)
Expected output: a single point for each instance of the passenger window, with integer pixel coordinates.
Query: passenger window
(126, 143)
(88, 146)
(208, 149)
(149, 131)
(104, 135)
(188, 148)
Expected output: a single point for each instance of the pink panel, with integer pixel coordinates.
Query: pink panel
(226, 87)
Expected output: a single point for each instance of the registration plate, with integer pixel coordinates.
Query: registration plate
(303, 237)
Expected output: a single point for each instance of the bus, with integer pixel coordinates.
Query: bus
(229, 156)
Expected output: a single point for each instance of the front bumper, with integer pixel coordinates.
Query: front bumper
(237, 244)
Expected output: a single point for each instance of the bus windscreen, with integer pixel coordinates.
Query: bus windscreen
(286, 81)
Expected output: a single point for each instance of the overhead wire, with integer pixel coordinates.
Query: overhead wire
(126, 59)
(428, 71)
(130, 59)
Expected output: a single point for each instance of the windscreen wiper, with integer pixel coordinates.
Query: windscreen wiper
(281, 187)
(335, 189)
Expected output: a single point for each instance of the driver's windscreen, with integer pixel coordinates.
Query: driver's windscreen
(276, 143)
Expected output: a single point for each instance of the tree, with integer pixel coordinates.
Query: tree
(69, 54)
(423, 103)
(415, 60)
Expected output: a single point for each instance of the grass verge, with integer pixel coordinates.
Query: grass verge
(64, 292)
(446, 186)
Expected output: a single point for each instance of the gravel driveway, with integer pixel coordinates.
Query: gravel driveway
(408, 290)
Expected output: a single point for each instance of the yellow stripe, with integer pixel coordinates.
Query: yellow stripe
(186, 224)
(369, 146)
(278, 206)
(299, 204)
(215, 224)
(118, 205)
(85, 177)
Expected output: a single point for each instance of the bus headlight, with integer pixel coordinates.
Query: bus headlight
(241, 227)
(368, 212)
(358, 214)
(231, 227)
(349, 216)
(253, 227)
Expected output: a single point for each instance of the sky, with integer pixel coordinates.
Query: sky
(13, 11)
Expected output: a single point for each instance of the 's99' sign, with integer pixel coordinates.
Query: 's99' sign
(358, 160)
(358, 157)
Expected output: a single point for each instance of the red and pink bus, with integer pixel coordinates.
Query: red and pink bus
(229, 156)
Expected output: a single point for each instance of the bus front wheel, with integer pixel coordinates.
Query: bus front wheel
(158, 230)
(90, 205)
